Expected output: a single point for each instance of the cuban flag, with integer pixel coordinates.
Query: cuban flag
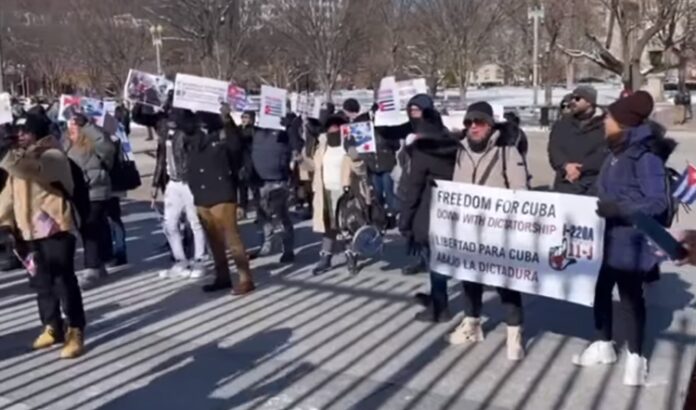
(386, 100)
(274, 107)
(686, 186)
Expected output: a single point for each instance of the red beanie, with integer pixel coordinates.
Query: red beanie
(633, 110)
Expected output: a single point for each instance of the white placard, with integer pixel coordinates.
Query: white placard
(199, 93)
(5, 108)
(273, 107)
(540, 243)
(409, 88)
(362, 135)
(388, 102)
(146, 88)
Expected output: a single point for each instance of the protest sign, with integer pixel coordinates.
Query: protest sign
(388, 104)
(199, 93)
(68, 106)
(146, 88)
(273, 107)
(362, 136)
(5, 108)
(315, 107)
(237, 98)
(541, 243)
(409, 88)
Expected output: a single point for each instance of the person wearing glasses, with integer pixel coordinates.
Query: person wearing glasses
(577, 147)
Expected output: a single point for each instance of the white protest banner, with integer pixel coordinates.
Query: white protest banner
(273, 107)
(409, 88)
(146, 88)
(541, 243)
(362, 135)
(199, 93)
(5, 108)
(388, 104)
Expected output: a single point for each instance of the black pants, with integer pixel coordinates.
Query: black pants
(118, 229)
(96, 236)
(243, 194)
(630, 286)
(512, 300)
(55, 282)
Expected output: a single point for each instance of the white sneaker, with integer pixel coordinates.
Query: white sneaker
(636, 372)
(197, 270)
(599, 352)
(468, 331)
(180, 270)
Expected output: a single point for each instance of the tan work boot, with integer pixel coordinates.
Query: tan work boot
(74, 344)
(48, 338)
(468, 331)
(515, 348)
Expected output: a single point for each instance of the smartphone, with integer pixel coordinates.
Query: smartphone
(660, 236)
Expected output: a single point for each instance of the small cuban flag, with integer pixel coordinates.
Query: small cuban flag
(685, 191)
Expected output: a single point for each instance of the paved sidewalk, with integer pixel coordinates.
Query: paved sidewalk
(328, 342)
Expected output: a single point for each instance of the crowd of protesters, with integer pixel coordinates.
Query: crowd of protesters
(214, 172)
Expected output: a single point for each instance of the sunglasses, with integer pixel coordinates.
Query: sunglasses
(577, 98)
(476, 122)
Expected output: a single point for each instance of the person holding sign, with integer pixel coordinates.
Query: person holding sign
(484, 158)
(333, 167)
(632, 181)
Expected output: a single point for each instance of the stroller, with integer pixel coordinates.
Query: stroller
(362, 222)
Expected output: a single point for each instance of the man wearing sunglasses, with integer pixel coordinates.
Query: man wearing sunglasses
(577, 147)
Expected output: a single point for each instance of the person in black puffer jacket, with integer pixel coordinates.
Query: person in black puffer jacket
(213, 162)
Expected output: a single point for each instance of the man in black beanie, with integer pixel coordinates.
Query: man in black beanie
(576, 145)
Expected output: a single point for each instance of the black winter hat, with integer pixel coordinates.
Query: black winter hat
(480, 111)
(633, 110)
(351, 105)
(336, 120)
(38, 125)
(422, 101)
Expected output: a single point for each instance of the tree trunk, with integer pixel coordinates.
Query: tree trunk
(682, 73)
(570, 73)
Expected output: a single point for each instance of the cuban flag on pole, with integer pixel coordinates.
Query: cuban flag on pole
(686, 186)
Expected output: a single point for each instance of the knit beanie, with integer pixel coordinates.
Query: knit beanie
(633, 110)
(351, 105)
(480, 111)
(32, 123)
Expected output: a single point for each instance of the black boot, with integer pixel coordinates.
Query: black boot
(324, 264)
(352, 262)
(434, 315)
(414, 269)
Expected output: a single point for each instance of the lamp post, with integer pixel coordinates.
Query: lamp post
(21, 68)
(156, 32)
(536, 15)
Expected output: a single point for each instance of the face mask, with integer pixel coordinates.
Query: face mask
(333, 139)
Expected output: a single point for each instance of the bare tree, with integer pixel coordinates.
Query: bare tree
(221, 30)
(330, 34)
(635, 24)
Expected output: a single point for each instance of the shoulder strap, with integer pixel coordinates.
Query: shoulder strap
(505, 174)
(487, 172)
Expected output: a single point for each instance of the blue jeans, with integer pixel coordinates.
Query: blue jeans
(384, 189)
(118, 230)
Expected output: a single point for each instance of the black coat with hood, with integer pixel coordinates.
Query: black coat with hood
(574, 140)
(214, 158)
(432, 156)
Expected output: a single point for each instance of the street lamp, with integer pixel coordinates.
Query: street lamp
(22, 79)
(536, 15)
(156, 32)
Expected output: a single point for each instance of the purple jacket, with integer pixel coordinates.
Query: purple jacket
(634, 177)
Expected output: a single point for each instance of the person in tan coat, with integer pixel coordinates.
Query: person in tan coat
(334, 167)
(485, 158)
(34, 205)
